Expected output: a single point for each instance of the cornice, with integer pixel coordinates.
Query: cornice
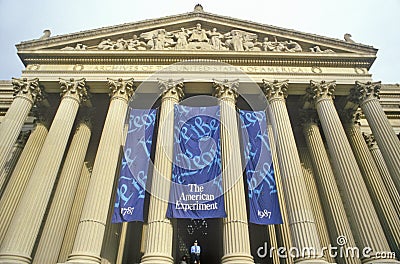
(170, 57)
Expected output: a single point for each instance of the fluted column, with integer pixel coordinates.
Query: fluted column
(20, 176)
(236, 241)
(5, 174)
(75, 215)
(380, 197)
(315, 201)
(57, 219)
(367, 95)
(274, 243)
(301, 219)
(365, 224)
(21, 235)
(112, 232)
(89, 238)
(160, 232)
(283, 229)
(335, 214)
(383, 171)
(27, 93)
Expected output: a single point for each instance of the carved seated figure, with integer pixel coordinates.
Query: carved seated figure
(292, 46)
(135, 44)
(105, 44)
(121, 44)
(198, 35)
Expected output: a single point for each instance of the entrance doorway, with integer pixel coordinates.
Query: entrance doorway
(207, 232)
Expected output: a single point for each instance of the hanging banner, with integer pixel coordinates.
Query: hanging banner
(262, 192)
(135, 164)
(196, 188)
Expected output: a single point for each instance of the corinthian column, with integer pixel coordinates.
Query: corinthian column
(315, 201)
(380, 197)
(12, 160)
(21, 235)
(236, 241)
(383, 171)
(283, 229)
(301, 219)
(20, 176)
(367, 95)
(89, 237)
(365, 224)
(57, 218)
(75, 215)
(159, 232)
(27, 93)
(335, 214)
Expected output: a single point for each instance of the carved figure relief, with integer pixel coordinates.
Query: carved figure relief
(199, 38)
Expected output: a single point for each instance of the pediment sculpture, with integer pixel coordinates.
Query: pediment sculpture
(198, 38)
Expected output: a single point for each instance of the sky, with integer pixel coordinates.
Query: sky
(371, 22)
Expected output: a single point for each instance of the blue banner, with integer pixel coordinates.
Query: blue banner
(196, 188)
(262, 192)
(135, 164)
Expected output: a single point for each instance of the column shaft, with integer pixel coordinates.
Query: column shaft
(20, 238)
(12, 160)
(235, 226)
(367, 229)
(112, 233)
(367, 95)
(387, 140)
(283, 229)
(20, 177)
(301, 220)
(158, 248)
(315, 201)
(75, 215)
(384, 172)
(274, 243)
(383, 205)
(90, 234)
(27, 93)
(57, 218)
(336, 217)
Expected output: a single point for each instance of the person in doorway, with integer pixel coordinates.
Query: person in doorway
(195, 253)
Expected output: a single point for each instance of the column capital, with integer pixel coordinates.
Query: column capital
(275, 89)
(120, 88)
(28, 89)
(308, 116)
(320, 91)
(74, 89)
(370, 140)
(361, 92)
(171, 89)
(350, 117)
(226, 89)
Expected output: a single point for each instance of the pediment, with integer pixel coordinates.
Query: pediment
(195, 32)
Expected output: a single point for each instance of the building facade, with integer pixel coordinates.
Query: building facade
(334, 136)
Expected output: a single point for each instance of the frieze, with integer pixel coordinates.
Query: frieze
(199, 38)
(145, 68)
(199, 68)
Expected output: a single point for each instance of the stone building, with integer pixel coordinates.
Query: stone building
(334, 135)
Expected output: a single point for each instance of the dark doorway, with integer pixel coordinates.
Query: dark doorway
(208, 233)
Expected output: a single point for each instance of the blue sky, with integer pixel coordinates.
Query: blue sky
(371, 22)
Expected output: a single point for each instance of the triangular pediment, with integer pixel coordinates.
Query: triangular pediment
(195, 31)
